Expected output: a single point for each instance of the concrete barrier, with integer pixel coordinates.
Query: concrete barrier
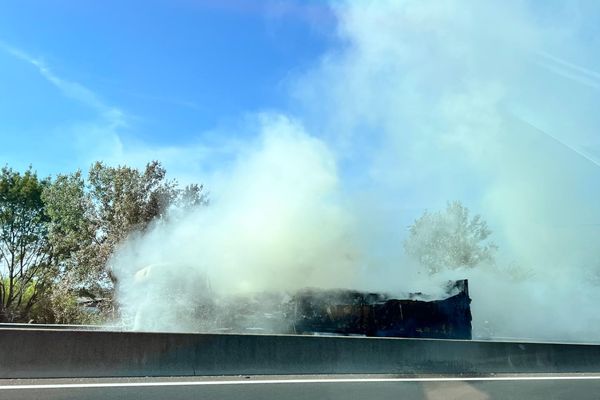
(28, 353)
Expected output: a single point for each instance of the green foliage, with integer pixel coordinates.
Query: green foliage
(60, 306)
(26, 259)
(450, 239)
(90, 219)
(56, 236)
(124, 200)
(67, 207)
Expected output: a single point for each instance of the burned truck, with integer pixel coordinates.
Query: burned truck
(307, 311)
(348, 312)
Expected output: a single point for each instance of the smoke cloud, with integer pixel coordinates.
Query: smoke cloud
(422, 102)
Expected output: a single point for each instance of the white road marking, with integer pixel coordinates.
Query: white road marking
(295, 381)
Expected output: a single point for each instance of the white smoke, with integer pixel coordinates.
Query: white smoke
(423, 102)
(277, 222)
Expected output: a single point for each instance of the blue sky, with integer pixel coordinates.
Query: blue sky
(407, 96)
(161, 73)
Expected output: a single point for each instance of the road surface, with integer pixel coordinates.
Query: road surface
(347, 387)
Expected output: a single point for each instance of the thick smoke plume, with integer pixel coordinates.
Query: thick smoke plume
(423, 102)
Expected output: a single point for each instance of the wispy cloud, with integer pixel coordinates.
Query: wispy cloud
(74, 90)
(579, 150)
(569, 70)
(101, 138)
(78, 140)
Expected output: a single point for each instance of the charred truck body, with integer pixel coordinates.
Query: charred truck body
(316, 311)
(349, 312)
(346, 312)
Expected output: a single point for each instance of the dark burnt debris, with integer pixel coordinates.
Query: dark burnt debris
(346, 312)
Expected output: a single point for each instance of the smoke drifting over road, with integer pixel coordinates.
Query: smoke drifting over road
(423, 102)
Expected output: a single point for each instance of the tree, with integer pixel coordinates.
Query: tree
(27, 266)
(90, 219)
(126, 200)
(56, 236)
(70, 227)
(450, 239)
(70, 232)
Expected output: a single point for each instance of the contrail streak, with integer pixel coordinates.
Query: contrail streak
(570, 147)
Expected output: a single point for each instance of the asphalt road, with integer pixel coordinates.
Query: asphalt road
(547, 386)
